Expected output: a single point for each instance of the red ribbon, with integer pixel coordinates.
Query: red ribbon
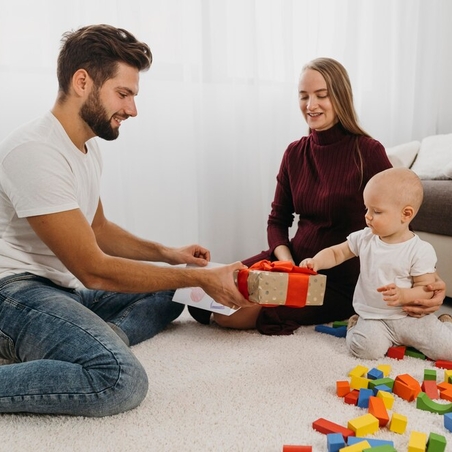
(297, 288)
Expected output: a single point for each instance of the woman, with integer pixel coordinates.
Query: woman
(321, 179)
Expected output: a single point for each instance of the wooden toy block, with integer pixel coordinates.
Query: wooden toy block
(383, 388)
(295, 448)
(396, 352)
(342, 388)
(359, 382)
(339, 323)
(424, 402)
(335, 442)
(448, 421)
(444, 386)
(383, 448)
(387, 397)
(385, 368)
(364, 425)
(372, 441)
(430, 388)
(389, 382)
(448, 376)
(375, 374)
(430, 374)
(446, 394)
(443, 364)
(338, 332)
(417, 442)
(358, 447)
(363, 398)
(378, 409)
(352, 397)
(398, 423)
(406, 387)
(358, 371)
(410, 351)
(324, 426)
(436, 443)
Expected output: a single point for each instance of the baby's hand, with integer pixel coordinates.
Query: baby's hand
(392, 295)
(309, 263)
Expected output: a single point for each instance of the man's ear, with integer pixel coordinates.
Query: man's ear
(407, 214)
(81, 82)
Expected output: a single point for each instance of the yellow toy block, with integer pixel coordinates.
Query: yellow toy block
(358, 371)
(364, 425)
(388, 398)
(359, 382)
(448, 376)
(417, 442)
(357, 447)
(385, 368)
(398, 423)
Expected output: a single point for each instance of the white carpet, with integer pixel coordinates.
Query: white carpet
(218, 390)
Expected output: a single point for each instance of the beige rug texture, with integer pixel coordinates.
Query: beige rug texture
(219, 390)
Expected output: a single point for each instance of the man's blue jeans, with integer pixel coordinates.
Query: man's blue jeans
(66, 358)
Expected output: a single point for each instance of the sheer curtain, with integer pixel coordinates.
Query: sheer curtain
(219, 105)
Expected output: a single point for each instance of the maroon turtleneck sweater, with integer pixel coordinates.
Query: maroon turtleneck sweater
(320, 181)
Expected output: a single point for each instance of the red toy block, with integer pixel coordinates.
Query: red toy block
(294, 448)
(378, 409)
(342, 388)
(443, 364)
(324, 426)
(352, 397)
(430, 388)
(396, 352)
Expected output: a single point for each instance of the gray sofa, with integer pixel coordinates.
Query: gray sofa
(431, 159)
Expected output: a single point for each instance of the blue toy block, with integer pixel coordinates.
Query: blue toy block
(382, 388)
(375, 374)
(335, 442)
(372, 441)
(338, 332)
(363, 397)
(448, 421)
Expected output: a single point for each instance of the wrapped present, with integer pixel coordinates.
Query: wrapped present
(281, 283)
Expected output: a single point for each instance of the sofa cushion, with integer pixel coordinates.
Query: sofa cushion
(435, 154)
(435, 214)
(403, 154)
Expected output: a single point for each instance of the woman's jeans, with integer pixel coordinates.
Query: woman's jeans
(65, 357)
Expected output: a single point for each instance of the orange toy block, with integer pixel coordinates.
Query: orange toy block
(430, 388)
(378, 409)
(294, 448)
(398, 423)
(406, 387)
(342, 388)
(445, 391)
(324, 426)
(396, 352)
(364, 425)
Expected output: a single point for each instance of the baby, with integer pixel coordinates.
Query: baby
(395, 265)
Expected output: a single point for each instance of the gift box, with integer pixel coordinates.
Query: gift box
(281, 283)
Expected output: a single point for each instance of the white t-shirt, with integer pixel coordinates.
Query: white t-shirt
(42, 172)
(383, 263)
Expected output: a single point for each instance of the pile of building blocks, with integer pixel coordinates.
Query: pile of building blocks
(374, 391)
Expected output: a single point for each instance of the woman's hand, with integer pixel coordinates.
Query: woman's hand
(419, 308)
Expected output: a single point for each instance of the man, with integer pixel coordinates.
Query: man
(76, 289)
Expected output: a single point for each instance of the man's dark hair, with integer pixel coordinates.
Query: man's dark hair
(98, 49)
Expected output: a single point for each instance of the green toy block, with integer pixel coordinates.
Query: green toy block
(424, 402)
(410, 351)
(436, 443)
(389, 382)
(430, 374)
(339, 323)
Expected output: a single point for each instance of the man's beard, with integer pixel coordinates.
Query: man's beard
(94, 114)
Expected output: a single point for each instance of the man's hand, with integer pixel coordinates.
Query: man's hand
(219, 284)
(419, 308)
